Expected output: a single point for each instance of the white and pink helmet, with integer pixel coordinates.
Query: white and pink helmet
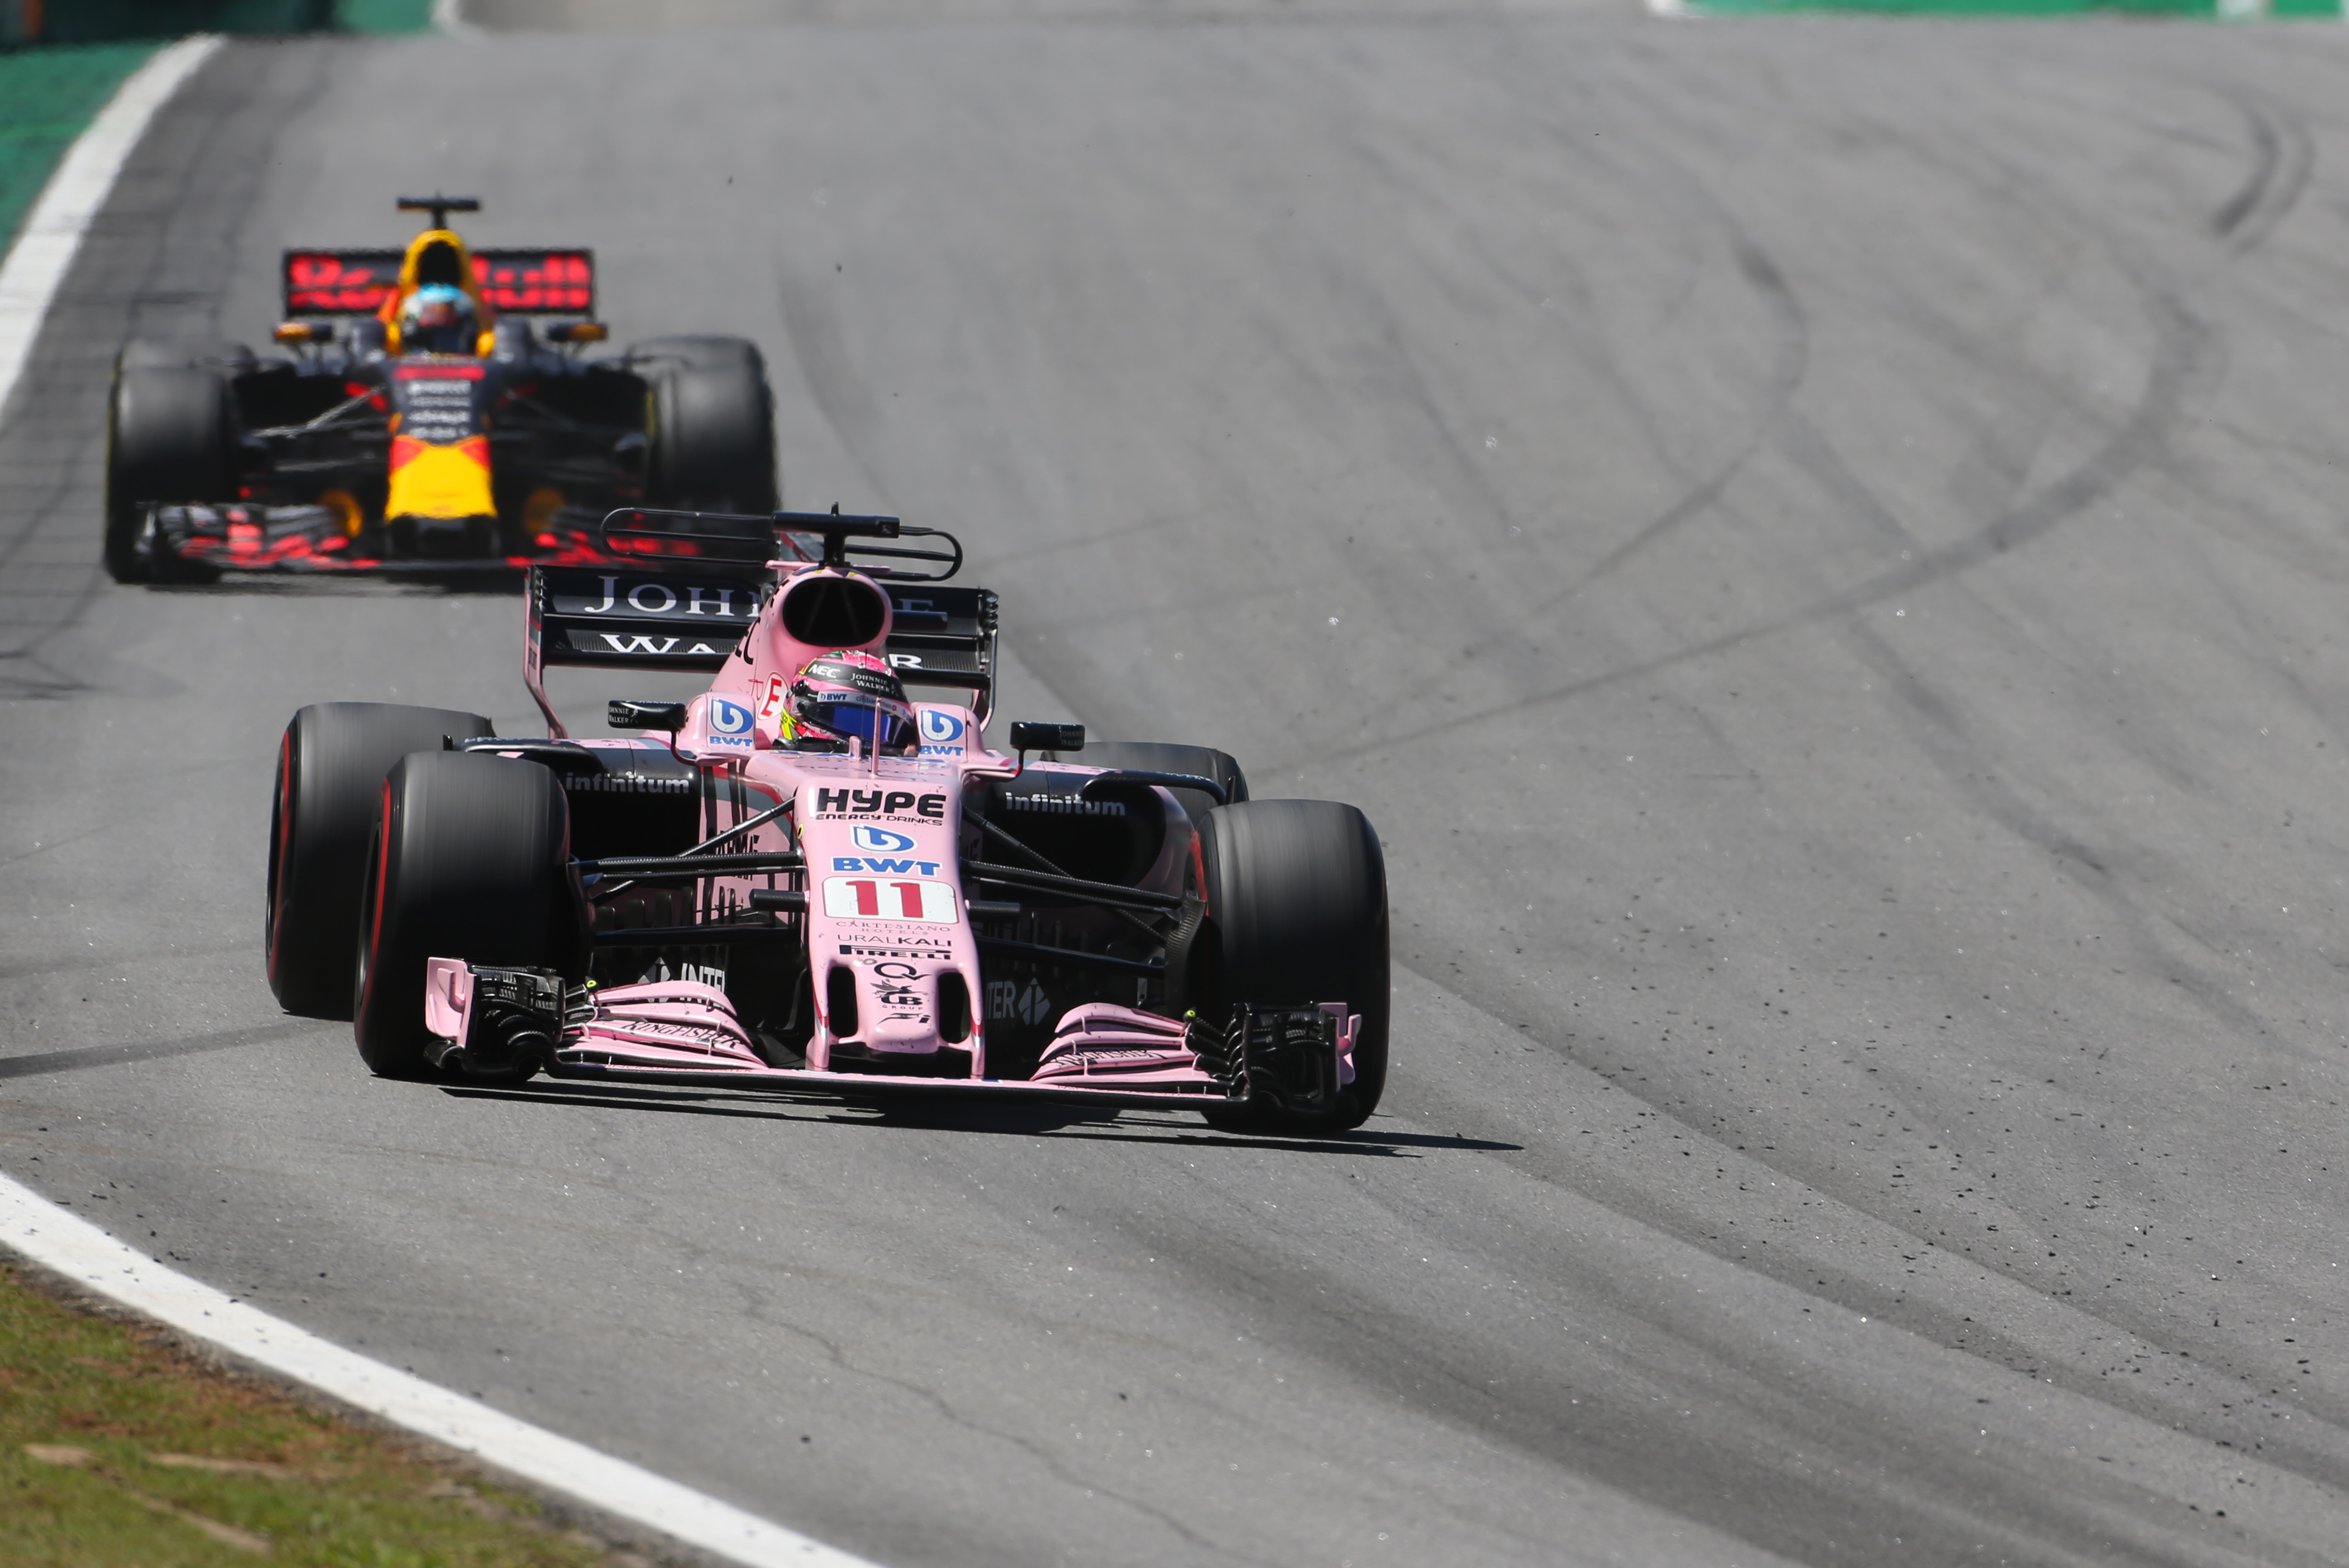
(847, 693)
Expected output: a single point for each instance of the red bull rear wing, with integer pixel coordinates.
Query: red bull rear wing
(516, 282)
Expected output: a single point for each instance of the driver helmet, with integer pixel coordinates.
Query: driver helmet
(439, 318)
(839, 694)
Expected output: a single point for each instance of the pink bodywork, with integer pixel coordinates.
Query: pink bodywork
(883, 841)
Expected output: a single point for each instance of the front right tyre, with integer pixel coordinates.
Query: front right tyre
(470, 860)
(170, 437)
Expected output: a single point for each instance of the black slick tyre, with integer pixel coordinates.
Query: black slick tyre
(170, 438)
(1166, 757)
(470, 860)
(216, 355)
(710, 425)
(1297, 912)
(330, 772)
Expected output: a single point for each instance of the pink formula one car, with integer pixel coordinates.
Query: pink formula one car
(752, 902)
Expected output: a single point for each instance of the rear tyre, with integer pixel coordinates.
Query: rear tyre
(470, 860)
(1165, 757)
(710, 425)
(170, 437)
(1297, 912)
(330, 770)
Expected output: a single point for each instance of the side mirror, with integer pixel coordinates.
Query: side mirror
(1030, 736)
(301, 332)
(623, 713)
(578, 332)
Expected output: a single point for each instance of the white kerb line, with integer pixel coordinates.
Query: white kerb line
(53, 232)
(449, 17)
(72, 1247)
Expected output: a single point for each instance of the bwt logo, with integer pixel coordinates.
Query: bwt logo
(730, 724)
(881, 839)
(884, 866)
(940, 727)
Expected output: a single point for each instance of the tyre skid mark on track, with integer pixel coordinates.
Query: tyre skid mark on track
(1790, 366)
(2175, 380)
(2101, 873)
(87, 1056)
(2186, 367)
(84, 963)
(1675, 1425)
(1931, 1312)
(2286, 158)
(1786, 309)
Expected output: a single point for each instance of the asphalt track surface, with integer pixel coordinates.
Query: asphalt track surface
(1820, 545)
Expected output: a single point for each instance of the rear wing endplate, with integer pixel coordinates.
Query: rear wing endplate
(941, 636)
(692, 619)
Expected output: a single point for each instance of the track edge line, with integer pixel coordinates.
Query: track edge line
(69, 1249)
(37, 264)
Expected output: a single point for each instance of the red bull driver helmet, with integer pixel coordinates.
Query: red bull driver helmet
(843, 694)
(439, 318)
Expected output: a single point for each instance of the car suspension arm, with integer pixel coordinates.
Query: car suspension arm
(692, 868)
(1036, 858)
(1047, 953)
(707, 845)
(1107, 894)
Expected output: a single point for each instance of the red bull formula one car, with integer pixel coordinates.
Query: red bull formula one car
(876, 903)
(436, 409)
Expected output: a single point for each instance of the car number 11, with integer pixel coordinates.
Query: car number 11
(880, 898)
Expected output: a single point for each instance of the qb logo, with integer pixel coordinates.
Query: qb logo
(730, 725)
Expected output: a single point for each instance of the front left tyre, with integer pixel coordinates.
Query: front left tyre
(330, 773)
(469, 860)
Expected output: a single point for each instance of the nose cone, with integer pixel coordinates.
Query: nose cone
(905, 1015)
(429, 479)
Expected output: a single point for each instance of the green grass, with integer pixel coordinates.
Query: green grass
(48, 96)
(116, 1449)
(383, 16)
(49, 92)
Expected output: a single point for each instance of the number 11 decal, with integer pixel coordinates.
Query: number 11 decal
(880, 898)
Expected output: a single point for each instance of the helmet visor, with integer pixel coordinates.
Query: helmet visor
(866, 718)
